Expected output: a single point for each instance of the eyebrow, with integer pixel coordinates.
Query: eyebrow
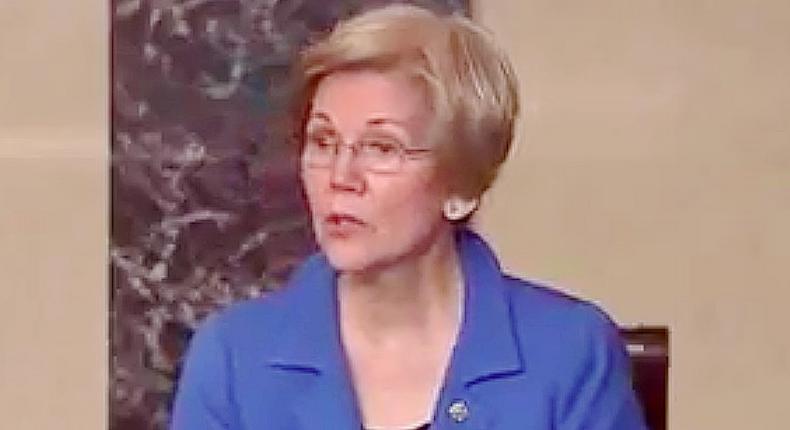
(319, 115)
(373, 121)
(384, 121)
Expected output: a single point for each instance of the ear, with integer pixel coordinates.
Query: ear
(456, 208)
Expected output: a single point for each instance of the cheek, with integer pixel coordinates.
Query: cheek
(409, 205)
(312, 182)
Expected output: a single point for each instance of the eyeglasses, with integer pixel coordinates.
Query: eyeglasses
(373, 153)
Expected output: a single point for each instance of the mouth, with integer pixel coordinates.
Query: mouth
(338, 224)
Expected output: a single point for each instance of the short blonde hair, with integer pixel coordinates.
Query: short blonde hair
(471, 85)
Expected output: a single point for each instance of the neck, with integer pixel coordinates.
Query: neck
(418, 297)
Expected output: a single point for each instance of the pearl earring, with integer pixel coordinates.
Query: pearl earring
(456, 208)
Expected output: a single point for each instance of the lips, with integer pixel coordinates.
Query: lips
(338, 224)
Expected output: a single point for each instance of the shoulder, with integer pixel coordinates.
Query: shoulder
(223, 363)
(538, 301)
(576, 349)
(253, 323)
(537, 310)
(259, 320)
(558, 326)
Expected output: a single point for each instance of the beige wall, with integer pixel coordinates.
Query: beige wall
(652, 175)
(53, 222)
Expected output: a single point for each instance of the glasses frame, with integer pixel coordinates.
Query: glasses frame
(404, 153)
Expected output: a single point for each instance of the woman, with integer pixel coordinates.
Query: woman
(405, 320)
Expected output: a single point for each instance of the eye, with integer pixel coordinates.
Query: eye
(380, 146)
(321, 141)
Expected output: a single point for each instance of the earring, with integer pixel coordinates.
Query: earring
(456, 208)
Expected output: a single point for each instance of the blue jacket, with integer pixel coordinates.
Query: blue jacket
(526, 358)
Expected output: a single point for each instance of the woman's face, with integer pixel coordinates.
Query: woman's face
(367, 218)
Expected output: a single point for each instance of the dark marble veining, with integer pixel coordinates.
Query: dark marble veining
(206, 204)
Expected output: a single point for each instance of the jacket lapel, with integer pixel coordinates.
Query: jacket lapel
(312, 345)
(324, 406)
(487, 347)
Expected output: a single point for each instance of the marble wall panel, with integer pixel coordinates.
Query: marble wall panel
(206, 204)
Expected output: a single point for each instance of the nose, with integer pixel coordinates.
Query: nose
(346, 172)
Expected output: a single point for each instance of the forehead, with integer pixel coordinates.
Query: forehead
(350, 97)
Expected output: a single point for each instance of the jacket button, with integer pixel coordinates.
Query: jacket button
(458, 411)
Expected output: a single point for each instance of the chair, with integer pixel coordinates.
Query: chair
(648, 348)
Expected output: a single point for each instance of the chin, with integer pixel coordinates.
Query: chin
(349, 260)
(370, 253)
(357, 257)
(345, 255)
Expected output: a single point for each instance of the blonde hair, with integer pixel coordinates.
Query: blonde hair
(471, 85)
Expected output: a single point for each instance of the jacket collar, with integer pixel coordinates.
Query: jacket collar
(486, 347)
(310, 337)
(310, 343)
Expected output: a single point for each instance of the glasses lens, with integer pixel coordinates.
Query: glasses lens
(319, 151)
(381, 155)
(377, 154)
